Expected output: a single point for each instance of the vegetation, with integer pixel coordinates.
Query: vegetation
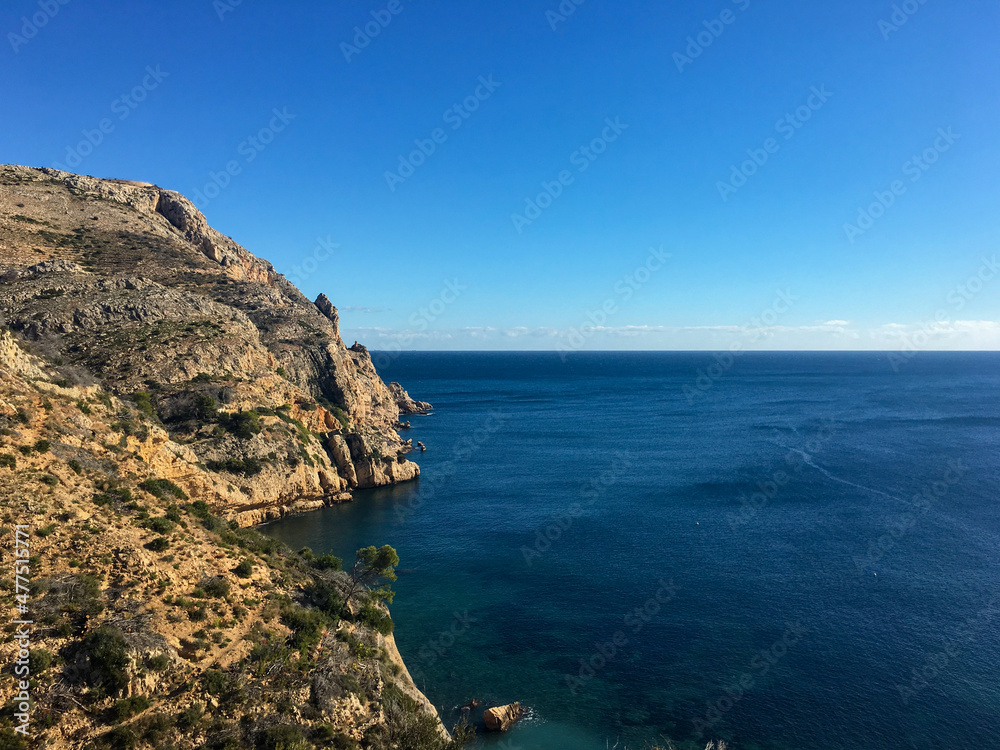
(160, 488)
(107, 652)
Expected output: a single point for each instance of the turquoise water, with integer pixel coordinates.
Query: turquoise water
(765, 559)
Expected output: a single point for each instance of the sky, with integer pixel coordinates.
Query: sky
(591, 174)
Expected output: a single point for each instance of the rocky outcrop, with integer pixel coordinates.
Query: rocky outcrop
(125, 284)
(502, 718)
(158, 623)
(406, 404)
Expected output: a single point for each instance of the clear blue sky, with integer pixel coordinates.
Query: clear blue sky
(885, 96)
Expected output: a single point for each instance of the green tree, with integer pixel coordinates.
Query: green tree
(374, 569)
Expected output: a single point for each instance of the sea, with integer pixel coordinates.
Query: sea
(782, 551)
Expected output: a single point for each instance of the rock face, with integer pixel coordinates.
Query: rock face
(502, 718)
(406, 404)
(125, 285)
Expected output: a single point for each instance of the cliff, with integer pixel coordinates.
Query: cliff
(160, 389)
(124, 284)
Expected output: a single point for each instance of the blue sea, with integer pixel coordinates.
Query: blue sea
(787, 551)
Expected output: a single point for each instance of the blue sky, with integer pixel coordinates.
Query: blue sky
(700, 175)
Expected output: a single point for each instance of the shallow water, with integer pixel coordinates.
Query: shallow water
(803, 520)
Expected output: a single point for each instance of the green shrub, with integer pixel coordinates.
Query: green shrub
(160, 488)
(243, 424)
(26, 450)
(328, 562)
(126, 708)
(39, 660)
(190, 717)
(161, 525)
(283, 737)
(159, 663)
(376, 618)
(75, 465)
(248, 467)
(306, 626)
(7, 461)
(42, 445)
(244, 569)
(48, 479)
(46, 530)
(216, 587)
(215, 681)
(160, 544)
(109, 660)
(144, 403)
(199, 509)
(83, 407)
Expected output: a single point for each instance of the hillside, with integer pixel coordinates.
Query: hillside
(161, 389)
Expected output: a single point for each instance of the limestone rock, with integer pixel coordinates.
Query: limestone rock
(502, 718)
(406, 404)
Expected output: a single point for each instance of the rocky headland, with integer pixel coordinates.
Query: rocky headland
(161, 390)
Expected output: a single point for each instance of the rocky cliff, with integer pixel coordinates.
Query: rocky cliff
(160, 389)
(247, 397)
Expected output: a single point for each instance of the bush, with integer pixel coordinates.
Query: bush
(126, 708)
(283, 737)
(160, 544)
(215, 682)
(144, 403)
(109, 660)
(376, 618)
(162, 525)
(83, 407)
(42, 446)
(159, 663)
(159, 488)
(248, 467)
(328, 562)
(26, 450)
(216, 587)
(199, 509)
(39, 660)
(190, 716)
(75, 465)
(306, 626)
(243, 424)
(46, 530)
(244, 569)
